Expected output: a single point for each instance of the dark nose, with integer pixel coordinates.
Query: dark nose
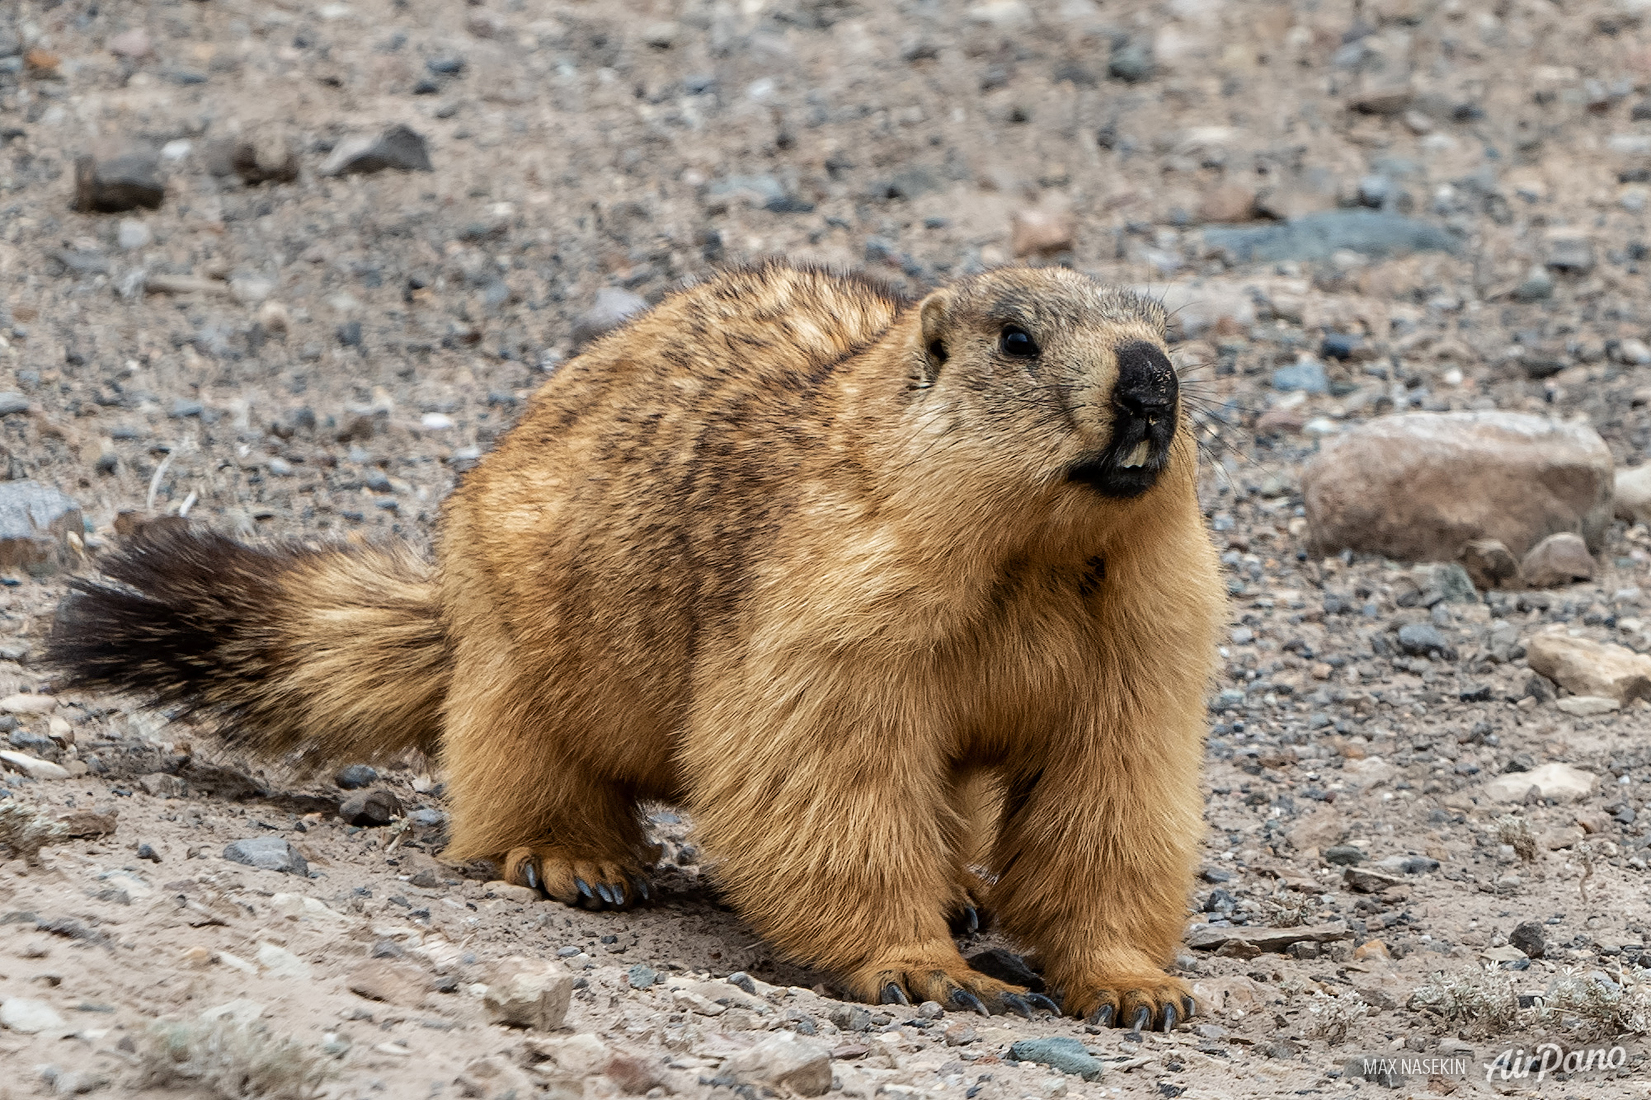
(1146, 380)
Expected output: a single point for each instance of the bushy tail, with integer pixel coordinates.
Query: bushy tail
(330, 655)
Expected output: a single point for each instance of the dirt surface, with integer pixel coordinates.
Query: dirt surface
(323, 356)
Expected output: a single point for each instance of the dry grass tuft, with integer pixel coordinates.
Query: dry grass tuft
(1485, 998)
(1601, 1005)
(234, 1061)
(1333, 1016)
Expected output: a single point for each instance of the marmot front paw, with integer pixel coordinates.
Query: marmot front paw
(586, 883)
(1141, 1002)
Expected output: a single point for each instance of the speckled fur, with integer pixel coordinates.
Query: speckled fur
(763, 553)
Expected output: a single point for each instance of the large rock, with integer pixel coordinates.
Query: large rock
(1421, 486)
(1633, 497)
(530, 993)
(1585, 667)
(1557, 560)
(268, 853)
(785, 1061)
(35, 525)
(398, 147)
(1560, 782)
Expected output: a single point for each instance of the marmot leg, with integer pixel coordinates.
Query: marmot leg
(980, 800)
(521, 796)
(830, 818)
(1096, 856)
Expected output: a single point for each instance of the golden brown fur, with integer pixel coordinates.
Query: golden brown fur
(822, 565)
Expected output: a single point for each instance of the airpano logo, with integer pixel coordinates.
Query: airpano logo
(1513, 1065)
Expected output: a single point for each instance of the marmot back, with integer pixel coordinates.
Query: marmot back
(875, 587)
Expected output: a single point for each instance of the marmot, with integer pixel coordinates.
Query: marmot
(813, 560)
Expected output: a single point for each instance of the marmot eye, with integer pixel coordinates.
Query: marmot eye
(1016, 342)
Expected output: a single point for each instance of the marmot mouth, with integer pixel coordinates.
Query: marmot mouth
(1132, 462)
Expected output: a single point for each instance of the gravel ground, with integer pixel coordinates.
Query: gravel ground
(322, 354)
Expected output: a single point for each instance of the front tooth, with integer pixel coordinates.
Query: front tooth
(1139, 456)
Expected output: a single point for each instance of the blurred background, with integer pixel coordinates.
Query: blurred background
(309, 322)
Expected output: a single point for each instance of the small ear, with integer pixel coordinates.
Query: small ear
(932, 314)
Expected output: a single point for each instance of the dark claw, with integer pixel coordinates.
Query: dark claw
(1016, 1004)
(1189, 1007)
(618, 891)
(1169, 1019)
(639, 884)
(1143, 1017)
(893, 995)
(971, 920)
(962, 998)
(1103, 1016)
(585, 892)
(1038, 1000)
(605, 892)
(531, 875)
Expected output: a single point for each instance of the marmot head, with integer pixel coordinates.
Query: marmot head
(1061, 366)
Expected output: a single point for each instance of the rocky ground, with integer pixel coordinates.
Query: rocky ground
(1356, 210)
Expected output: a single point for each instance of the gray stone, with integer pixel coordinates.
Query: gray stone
(371, 809)
(116, 184)
(133, 235)
(1059, 1052)
(1536, 285)
(1131, 61)
(35, 524)
(1420, 639)
(355, 776)
(1307, 376)
(612, 308)
(1319, 236)
(398, 147)
(1453, 583)
(268, 853)
(13, 403)
(1344, 855)
(850, 1017)
(1570, 251)
(641, 977)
